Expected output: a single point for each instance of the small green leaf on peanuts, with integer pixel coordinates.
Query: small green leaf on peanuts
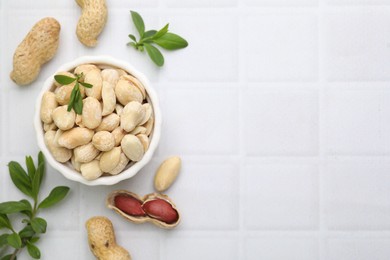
(55, 196)
(64, 80)
(87, 85)
(33, 251)
(14, 240)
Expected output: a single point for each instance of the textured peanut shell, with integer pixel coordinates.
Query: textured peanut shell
(102, 242)
(92, 21)
(38, 47)
(110, 203)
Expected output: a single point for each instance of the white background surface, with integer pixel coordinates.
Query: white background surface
(280, 110)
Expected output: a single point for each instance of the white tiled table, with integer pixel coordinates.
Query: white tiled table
(280, 110)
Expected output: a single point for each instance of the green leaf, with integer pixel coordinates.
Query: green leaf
(20, 178)
(132, 44)
(10, 207)
(4, 222)
(154, 54)
(138, 22)
(28, 211)
(36, 183)
(39, 225)
(55, 196)
(33, 251)
(171, 41)
(7, 257)
(161, 32)
(34, 239)
(64, 80)
(3, 239)
(132, 37)
(149, 33)
(72, 99)
(78, 105)
(14, 240)
(87, 85)
(30, 167)
(41, 158)
(26, 232)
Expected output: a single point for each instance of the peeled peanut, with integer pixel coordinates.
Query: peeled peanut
(118, 109)
(76, 165)
(48, 104)
(91, 171)
(84, 69)
(118, 134)
(144, 140)
(63, 119)
(59, 132)
(92, 21)
(94, 78)
(109, 160)
(92, 113)
(123, 161)
(59, 153)
(132, 147)
(138, 130)
(109, 123)
(108, 97)
(38, 47)
(149, 126)
(111, 76)
(103, 141)
(85, 153)
(63, 94)
(75, 137)
(136, 83)
(121, 72)
(148, 113)
(132, 115)
(126, 92)
(48, 127)
(79, 120)
(167, 173)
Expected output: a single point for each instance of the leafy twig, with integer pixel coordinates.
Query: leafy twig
(29, 183)
(76, 101)
(148, 40)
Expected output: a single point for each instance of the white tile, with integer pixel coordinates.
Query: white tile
(356, 45)
(200, 120)
(19, 129)
(201, 3)
(357, 2)
(357, 195)
(140, 246)
(358, 249)
(134, 6)
(281, 2)
(281, 196)
(64, 245)
(211, 54)
(281, 47)
(356, 122)
(281, 248)
(196, 247)
(42, 4)
(210, 188)
(280, 121)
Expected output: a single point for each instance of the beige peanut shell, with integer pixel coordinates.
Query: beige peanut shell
(110, 203)
(102, 242)
(92, 21)
(38, 47)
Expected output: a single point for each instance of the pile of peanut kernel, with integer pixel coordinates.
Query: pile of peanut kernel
(113, 129)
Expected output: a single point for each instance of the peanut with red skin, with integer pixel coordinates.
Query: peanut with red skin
(161, 210)
(129, 205)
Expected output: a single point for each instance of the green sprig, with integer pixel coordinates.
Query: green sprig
(148, 40)
(28, 182)
(76, 100)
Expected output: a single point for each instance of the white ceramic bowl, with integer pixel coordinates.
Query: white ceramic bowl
(67, 169)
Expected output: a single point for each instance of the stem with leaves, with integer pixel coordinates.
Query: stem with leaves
(76, 100)
(148, 40)
(29, 183)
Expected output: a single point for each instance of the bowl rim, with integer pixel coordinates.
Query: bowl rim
(133, 169)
